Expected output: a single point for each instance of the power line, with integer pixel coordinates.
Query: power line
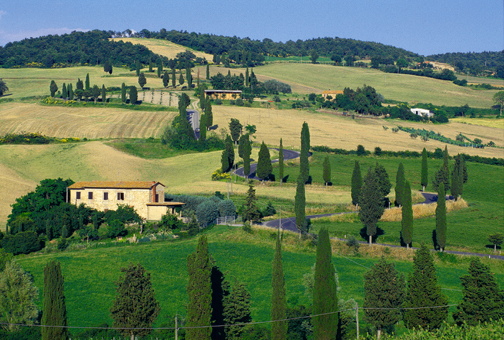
(237, 324)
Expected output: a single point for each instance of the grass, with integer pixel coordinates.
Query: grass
(490, 122)
(247, 257)
(149, 148)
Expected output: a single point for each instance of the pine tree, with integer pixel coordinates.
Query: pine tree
(443, 174)
(407, 216)
(326, 171)
(53, 88)
(278, 299)
(356, 183)
(482, 300)
(18, 294)
(304, 165)
(399, 185)
(281, 162)
(123, 93)
(236, 311)
(300, 206)
(371, 204)
(250, 212)
(199, 291)
(325, 300)
(264, 167)
(441, 218)
(424, 180)
(135, 305)
(142, 80)
(103, 94)
(423, 291)
(54, 309)
(88, 84)
(384, 288)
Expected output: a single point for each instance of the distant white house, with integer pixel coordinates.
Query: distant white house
(422, 112)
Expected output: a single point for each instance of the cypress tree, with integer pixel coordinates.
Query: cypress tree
(54, 309)
(64, 91)
(137, 67)
(181, 79)
(247, 77)
(384, 288)
(103, 94)
(151, 66)
(326, 171)
(79, 85)
(482, 300)
(304, 165)
(399, 185)
(189, 77)
(325, 300)
(423, 291)
(53, 88)
(424, 180)
(202, 130)
(123, 93)
(133, 95)
(199, 291)
(142, 80)
(356, 183)
(209, 113)
(407, 216)
(371, 203)
(441, 218)
(281, 162)
(457, 177)
(246, 150)
(173, 78)
(300, 206)
(166, 79)
(227, 158)
(135, 305)
(383, 179)
(88, 84)
(443, 174)
(208, 72)
(278, 299)
(264, 167)
(70, 92)
(236, 311)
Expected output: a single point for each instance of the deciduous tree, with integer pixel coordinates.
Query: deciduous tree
(235, 128)
(135, 305)
(325, 300)
(54, 312)
(423, 291)
(496, 240)
(498, 99)
(53, 88)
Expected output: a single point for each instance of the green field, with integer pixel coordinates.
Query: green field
(90, 274)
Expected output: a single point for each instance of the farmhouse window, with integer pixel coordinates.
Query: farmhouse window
(120, 196)
(90, 195)
(77, 195)
(105, 196)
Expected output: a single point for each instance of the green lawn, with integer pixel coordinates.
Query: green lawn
(90, 274)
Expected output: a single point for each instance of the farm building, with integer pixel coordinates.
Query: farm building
(331, 93)
(147, 198)
(422, 112)
(223, 94)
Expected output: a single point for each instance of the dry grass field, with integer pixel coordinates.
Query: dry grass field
(164, 47)
(92, 122)
(495, 123)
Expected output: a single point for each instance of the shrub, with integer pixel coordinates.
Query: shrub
(21, 243)
(206, 213)
(217, 175)
(116, 228)
(361, 151)
(269, 210)
(226, 208)
(170, 222)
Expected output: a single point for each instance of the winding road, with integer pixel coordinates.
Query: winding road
(289, 223)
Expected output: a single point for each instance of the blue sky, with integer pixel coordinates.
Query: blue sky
(425, 27)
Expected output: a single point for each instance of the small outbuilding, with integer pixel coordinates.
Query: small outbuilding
(331, 93)
(422, 112)
(223, 94)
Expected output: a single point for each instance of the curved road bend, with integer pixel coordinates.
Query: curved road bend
(288, 155)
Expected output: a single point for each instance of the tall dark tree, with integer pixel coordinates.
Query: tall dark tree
(399, 185)
(160, 68)
(326, 175)
(235, 128)
(250, 211)
(356, 183)
(181, 79)
(3, 87)
(166, 79)
(383, 179)
(300, 206)
(53, 88)
(203, 130)
(138, 66)
(384, 290)
(236, 310)
(54, 312)
(103, 94)
(95, 93)
(70, 92)
(443, 174)
(441, 218)
(133, 95)
(88, 83)
(142, 80)
(482, 300)
(246, 149)
(209, 113)
(107, 67)
(227, 157)
(79, 85)
(407, 216)
(371, 204)
(135, 305)
(123, 93)
(281, 164)
(247, 77)
(189, 77)
(423, 291)
(199, 290)
(278, 296)
(325, 299)
(304, 165)
(64, 93)
(264, 167)
(424, 178)
(208, 72)
(457, 177)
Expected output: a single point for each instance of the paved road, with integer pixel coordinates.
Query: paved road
(288, 155)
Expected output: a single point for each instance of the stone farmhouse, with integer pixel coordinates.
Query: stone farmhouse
(223, 94)
(332, 93)
(147, 198)
(422, 112)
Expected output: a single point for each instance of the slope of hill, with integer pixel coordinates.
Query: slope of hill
(473, 63)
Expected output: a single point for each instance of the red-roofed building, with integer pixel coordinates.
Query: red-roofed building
(147, 198)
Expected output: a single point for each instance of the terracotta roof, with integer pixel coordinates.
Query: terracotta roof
(223, 91)
(114, 184)
(332, 92)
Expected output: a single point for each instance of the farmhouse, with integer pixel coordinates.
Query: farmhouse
(223, 94)
(147, 198)
(332, 93)
(422, 112)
